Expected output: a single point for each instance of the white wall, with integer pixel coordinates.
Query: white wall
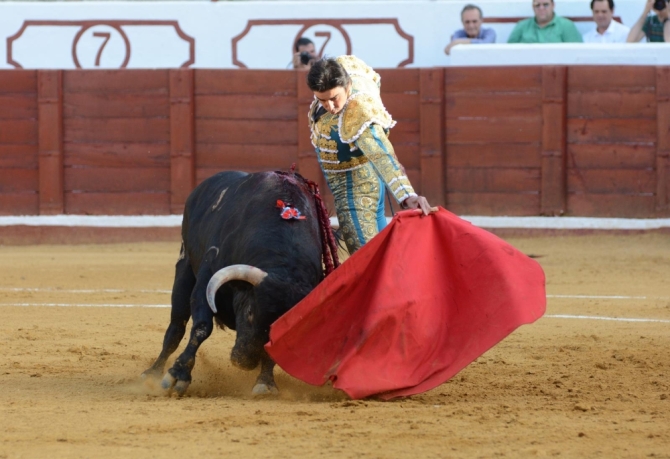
(145, 34)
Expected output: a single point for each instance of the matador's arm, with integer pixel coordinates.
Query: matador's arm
(375, 145)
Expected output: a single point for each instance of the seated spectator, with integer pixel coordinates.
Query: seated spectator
(472, 31)
(305, 53)
(607, 30)
(655, 27)
(545, 27)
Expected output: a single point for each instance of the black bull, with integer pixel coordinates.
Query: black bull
(232, 221)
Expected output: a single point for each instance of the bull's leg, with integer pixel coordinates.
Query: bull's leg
(179, 376)
(181, 311)
(265, 383)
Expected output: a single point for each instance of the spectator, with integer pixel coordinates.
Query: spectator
(545, 27)
(607, 30)
(472, 31)
(655, 27)
(305, 53)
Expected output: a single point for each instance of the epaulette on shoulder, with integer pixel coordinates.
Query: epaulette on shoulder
(362, 110)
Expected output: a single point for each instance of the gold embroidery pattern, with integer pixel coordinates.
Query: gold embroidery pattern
(356, 67)
(326, 145)
(365, 196)
(362, 110)
(344, 165)
(385, 162)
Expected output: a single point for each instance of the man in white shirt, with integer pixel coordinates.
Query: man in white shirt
(607, 30)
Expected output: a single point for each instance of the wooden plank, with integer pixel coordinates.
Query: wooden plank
(408, 154)
(612, 104)
(553, 186)
(491, 154)
(526, 79)
(135, 154)
(605, 77)
(493, 105)
(242, 81)
(18, 81)
(399, 81)
(18, 180)
(431, 173)
(18, 106)
(279, 132)
(493, 180)
(247, 106)
(50, 140)
(611, 156)
(116, 129)
(405, 133)
(22, 132)
(663, 141)
(402, 106)
(18, 156)
(116, 81)
(182, 138)
(236, 157)
(611, 205)
(115, 105)
(499, 130)
(117, 179)
(614, 130)
(19, 203)
(117, 203)
(513, 204)
(612, 181)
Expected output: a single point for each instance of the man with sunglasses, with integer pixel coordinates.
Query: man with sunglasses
(545, 27)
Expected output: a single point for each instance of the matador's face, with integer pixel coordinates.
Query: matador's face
(334, 99)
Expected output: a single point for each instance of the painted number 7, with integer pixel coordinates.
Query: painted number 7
(106, 36)
(323, 34)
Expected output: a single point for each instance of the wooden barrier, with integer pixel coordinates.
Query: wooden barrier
(554, 140)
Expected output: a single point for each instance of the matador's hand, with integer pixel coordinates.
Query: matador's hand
(419, 203)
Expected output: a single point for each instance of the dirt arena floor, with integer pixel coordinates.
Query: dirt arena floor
(564, 386)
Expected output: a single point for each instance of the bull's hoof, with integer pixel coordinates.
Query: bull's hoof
(170, 383)
(180, 387)
(264, 389)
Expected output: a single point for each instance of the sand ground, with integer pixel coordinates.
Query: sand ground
(566, 387)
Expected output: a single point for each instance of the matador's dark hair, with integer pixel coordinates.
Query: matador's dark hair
(326, 74)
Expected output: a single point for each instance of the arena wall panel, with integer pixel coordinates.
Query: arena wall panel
(19, 174)
(500, 116)
(612, 135)
(552, 140)
(116, 142)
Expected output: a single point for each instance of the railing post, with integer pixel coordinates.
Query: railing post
(182, 137)
(663, 141)
(553, 187)
(431, 121)
(50, 141)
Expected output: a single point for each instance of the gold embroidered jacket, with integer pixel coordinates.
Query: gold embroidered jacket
(358, 134)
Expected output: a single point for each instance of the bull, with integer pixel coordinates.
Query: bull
(252, 248)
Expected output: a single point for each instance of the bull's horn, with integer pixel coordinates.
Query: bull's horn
(233, 272)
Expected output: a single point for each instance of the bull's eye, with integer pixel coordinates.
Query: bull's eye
(250, 315)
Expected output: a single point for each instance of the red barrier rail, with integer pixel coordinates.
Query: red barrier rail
(581, 140)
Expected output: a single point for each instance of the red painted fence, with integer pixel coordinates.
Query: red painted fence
(590, 141)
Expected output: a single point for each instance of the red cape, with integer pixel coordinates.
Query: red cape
(410, 309)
